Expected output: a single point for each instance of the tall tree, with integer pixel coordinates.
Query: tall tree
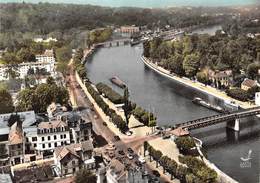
(127, 105)
(191, 64)
(6, 102)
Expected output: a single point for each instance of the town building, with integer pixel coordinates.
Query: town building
(48, 135)
(80, 129)
(248, 83)
(116, 172)
(41, 40)
(129, 29)
(69, 159)
(53, 110)
(44, 62)
(223, 78)
(16, 144)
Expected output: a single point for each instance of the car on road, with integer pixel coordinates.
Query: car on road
(121, 152)
(104, 123)
(117, 138)
(138, 163)
(156, 173)
(141, 159)
(130, 156)
(129, 133)
(166, 136)
(130, 150)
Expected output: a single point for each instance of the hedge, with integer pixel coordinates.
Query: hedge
(116, 119)
(109, 93)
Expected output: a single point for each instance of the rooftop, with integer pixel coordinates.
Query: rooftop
(52, 124)
(63, 151)
(16, 134)
(249, 83)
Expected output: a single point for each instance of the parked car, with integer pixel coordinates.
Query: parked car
(141, 159)
(121, 152)
(130, 150)
(156, 173)
(129, 156)
(104, 123)
(117, 138)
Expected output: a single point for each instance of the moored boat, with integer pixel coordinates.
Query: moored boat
(203, 103)
(115, 80)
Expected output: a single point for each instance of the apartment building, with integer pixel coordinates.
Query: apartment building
(49, 135)
(44, 62)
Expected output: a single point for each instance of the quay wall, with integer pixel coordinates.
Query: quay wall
(191, 84)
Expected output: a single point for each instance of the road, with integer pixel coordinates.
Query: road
(100, 129)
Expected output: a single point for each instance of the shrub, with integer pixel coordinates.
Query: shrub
(109, 93)
(238, 94)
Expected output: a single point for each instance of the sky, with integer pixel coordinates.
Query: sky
(147, 3)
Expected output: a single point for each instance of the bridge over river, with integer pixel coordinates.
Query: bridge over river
(232, 119)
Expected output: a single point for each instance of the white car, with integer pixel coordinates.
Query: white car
(129, 156)
(141, 159)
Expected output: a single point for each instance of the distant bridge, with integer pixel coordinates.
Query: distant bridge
(117, 42)
(232, 119)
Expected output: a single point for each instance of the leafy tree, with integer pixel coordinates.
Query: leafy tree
(25, 55)
(6, 102)
(202, 77)
(50, 80)
(62, 67)
(127, 105)
(26, 100)
(184, 144)
(63, 54)
(191, 64)
(175, 64)
(252, 70)
(85, 176)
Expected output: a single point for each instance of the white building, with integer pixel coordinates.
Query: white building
(49, 135)
(41, 40)
(45, 61)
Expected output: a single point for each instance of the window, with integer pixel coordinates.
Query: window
(55, 137)
(61, 136)
(49, 144)
(42, 138)
(34, 145)
(55, 144)
(43, 146)
(49, 138)
(34, 139)
(62, 143)
(64, 136)
(73, 162)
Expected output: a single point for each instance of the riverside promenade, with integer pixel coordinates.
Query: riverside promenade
(196, 85)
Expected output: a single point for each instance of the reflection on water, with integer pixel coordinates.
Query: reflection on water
(171, 102)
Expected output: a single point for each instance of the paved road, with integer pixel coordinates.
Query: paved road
(100, 129)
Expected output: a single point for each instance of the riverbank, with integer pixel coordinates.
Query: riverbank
(195, 85)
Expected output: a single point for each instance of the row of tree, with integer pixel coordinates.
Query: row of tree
(116, 119)
(185, 145)
(194, 53)
(195, 172)
(108, 92)
(199, 171)
(145, 117)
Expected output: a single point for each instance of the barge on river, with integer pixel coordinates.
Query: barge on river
(203, 103)
(115, 80)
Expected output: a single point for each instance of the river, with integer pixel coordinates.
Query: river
(171, 102)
